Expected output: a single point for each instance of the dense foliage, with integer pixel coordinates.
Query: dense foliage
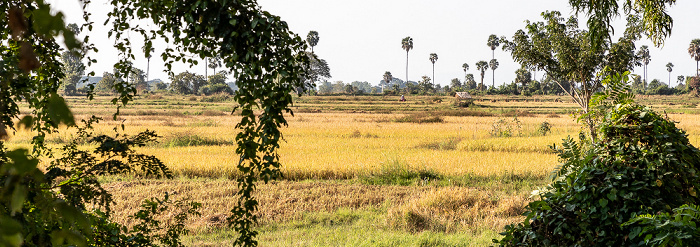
(643, 164)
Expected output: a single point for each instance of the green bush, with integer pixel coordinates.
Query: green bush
(642, 164)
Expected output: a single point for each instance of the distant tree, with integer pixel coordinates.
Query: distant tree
(387, 77)
(73, 67)
(482, 66)
(338, 87)
(407, 44)
(137, 77)
(395, 87)
(694, 51)
(433, 58)
(106, 84)
(455, 84)
(465, 66)
(694, 84)
(312, 39)
(218, 78)
(681, 79)
(318, 70)
(523, 77)
(147, 52)
(669, 68)
(186, 83)
(325, 87)
(469, 82)
(425, 84)
(637, 84)
(161, 86)
(349, 89)
(494, 65)
(361, 87)
(568, 56)
(645, 57)
(493, 43)
(214, 62)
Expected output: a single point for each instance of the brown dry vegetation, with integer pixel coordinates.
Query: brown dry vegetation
(411, 208)
(422, 166)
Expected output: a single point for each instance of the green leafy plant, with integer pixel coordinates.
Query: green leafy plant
(664, 229)
(545, 128)
(642, 164)
(504, 128)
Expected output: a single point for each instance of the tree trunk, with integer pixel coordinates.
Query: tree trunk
(434, 73)
(493, 78)
(406, 66)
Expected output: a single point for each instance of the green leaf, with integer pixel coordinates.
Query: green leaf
(603, 202)
(18, 197)
(58, 110)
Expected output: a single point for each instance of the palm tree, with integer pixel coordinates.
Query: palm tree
(694, 51)
(214, 63)
(387, 79)
(643, 54)
(669, 68)
(494, 65)
(407, 44)
(482, 66)
(493, 42)
(312, 38)
(465, 66)
(148, 58)
(433, 58)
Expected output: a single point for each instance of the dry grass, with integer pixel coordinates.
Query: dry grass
(453, 209)
(443, 208)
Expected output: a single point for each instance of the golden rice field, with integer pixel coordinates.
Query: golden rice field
(332, 143)
(342, 144)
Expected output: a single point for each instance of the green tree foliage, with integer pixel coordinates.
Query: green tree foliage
(407, 45)
(566, 54)
(73, 66)
(106, 84)
(465, 67)
(482, 66)
(694, 51)
(433, 58)
(425, 85)
(494, 65)
(643, 164)
(214, 62)
(456, 84)
(137, 78)
(186, 83)
(645, 57)
(669, 68)
(493, 42)
(312, 39)
(523, 77)
(63, 204)
(318, 70)
(387, 77)
(242, 34)
(655, 21)
(469, 82)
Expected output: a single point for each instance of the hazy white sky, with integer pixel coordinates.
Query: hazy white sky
(361, 39)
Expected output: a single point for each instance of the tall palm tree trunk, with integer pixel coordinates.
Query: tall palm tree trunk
(148, 69)
(493, 83)
(406, 66)
(434, 73)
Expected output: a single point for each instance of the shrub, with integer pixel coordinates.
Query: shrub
(642, 164)
(545, 127)
(504, 128)
(215, 89)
